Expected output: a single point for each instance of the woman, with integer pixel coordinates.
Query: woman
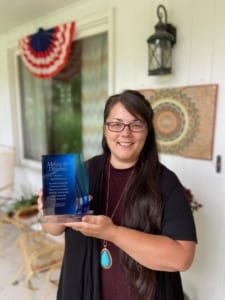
(142, 234)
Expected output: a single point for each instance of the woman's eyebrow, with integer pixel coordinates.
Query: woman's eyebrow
(121, 120)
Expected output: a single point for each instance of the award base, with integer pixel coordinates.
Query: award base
(63, 218)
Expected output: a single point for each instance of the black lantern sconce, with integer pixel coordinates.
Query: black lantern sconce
(160, 45)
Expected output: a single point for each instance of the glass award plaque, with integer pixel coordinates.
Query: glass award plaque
(65, 188)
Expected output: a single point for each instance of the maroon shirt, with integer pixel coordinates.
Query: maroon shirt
(115, 285)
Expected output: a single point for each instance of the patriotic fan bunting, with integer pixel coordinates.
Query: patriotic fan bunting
(46, 52)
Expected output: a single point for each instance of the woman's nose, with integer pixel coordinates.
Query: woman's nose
(126, 130)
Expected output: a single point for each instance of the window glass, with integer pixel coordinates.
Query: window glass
(63, 114)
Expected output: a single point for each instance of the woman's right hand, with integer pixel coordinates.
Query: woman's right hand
(40, 201)
(52, 228)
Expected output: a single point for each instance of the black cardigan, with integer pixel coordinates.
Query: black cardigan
(80, 273)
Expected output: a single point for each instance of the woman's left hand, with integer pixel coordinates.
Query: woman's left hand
(99, 226)
(155, 252)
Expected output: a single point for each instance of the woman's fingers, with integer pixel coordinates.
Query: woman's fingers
(95, 226)
(40, 200)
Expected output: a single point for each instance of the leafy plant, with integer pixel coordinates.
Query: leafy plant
(24, 202)
(195, 205)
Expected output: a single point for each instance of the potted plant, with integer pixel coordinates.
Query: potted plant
(24, 209)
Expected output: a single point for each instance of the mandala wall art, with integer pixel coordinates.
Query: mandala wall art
(184, 119)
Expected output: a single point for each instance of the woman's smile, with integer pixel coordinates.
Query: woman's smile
(125, 144)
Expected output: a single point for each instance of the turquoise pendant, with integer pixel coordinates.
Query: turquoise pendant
(106, 258)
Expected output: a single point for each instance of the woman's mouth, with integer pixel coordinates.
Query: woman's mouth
(125, 144)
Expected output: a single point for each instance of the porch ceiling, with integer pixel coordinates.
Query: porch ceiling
(18, 12)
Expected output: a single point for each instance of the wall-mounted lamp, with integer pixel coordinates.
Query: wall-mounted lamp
(160, 45)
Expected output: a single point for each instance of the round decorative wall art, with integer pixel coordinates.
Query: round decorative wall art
(184, 119)
(176, 120)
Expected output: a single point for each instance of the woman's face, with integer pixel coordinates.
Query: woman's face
(126, 145)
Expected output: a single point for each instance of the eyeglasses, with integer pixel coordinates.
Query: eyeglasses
(119, 126)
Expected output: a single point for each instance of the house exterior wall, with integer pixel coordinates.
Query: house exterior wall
(198, 58)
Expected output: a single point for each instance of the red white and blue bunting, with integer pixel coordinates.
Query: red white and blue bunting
(46, 52)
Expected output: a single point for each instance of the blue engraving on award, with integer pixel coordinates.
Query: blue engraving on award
(65, 188)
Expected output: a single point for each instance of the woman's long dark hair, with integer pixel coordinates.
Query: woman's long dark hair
(143, 205)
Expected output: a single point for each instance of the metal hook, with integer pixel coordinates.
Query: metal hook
(160, 15)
